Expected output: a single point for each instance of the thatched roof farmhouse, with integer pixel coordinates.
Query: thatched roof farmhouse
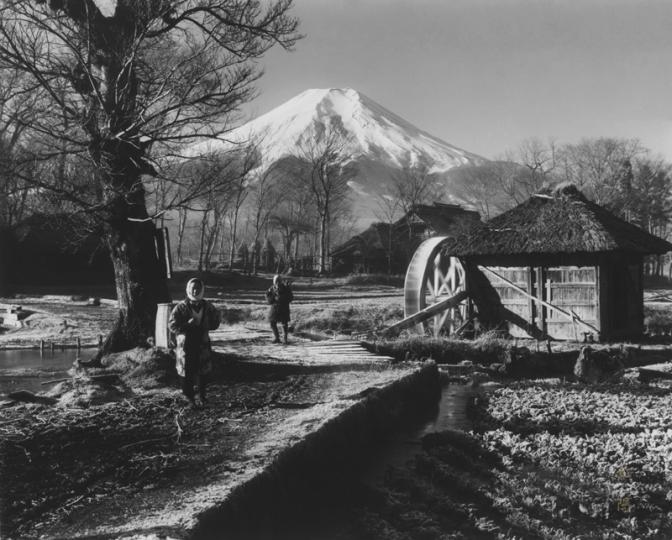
(562, 266)
(387, 247)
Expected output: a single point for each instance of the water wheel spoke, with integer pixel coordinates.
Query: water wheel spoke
(442, 319)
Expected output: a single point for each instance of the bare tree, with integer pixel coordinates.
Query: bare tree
(596, 166)
(539, 161)
(220, 176)
(18, 104)
(295, 213)
(132, 81)
(487, 187)
(265, 198)
(211, 225)
(498, 185)
(182, 214)
(650, 195)
(495, 186)
(323, 162)
(239, 192)
(414, 185)
(388, 212)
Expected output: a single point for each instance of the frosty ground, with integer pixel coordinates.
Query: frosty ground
(546, 458)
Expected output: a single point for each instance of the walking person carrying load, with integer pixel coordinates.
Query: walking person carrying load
(279, 295)
(191, 321)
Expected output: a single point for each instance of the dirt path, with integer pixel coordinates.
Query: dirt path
(145, 461)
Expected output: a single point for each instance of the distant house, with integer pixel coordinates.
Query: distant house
(561, 266)
(387, 247)
(366, 252)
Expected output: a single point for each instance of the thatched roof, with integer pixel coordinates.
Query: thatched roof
(561, 222)
(442, 218)
(371, 239)
(439, 218)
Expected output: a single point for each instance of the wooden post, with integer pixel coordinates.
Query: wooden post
(429, 311)
(79, 344)
(41, 346)
(52, 347)
(598, 300)
(531, 306)
(542, 312)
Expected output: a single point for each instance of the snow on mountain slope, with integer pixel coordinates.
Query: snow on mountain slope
(373, 130)
(380, 143)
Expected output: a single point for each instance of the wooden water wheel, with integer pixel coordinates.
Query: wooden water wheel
(435, 290)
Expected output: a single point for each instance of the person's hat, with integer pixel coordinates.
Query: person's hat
(198, 283)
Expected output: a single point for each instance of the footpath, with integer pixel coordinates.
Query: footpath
(281, 422)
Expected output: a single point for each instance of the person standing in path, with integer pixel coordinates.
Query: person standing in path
(279, 295)
(191, 321)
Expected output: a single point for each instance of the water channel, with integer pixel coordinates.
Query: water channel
(451, 413)
(28, 369)
(329, 508)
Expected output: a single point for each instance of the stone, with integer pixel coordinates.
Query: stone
(518, 361)
(596, 366)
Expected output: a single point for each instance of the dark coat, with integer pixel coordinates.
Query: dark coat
(192, 350)
(279, 296)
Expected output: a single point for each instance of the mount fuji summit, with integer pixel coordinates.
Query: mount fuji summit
(380, 142)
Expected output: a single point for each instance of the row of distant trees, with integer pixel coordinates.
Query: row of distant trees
(620, 174)
(301, 201)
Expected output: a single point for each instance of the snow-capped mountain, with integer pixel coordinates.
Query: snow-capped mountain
(380, 141)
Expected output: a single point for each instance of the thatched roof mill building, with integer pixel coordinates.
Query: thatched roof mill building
(562, 267)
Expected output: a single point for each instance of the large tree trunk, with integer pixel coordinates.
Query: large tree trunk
(139, 278)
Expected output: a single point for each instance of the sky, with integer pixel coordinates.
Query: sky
(484, 75)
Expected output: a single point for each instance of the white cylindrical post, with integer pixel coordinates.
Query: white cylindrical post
(161, 332)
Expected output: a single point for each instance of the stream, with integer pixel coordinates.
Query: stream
(28, 369)
(451, 414)
(328, 510)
